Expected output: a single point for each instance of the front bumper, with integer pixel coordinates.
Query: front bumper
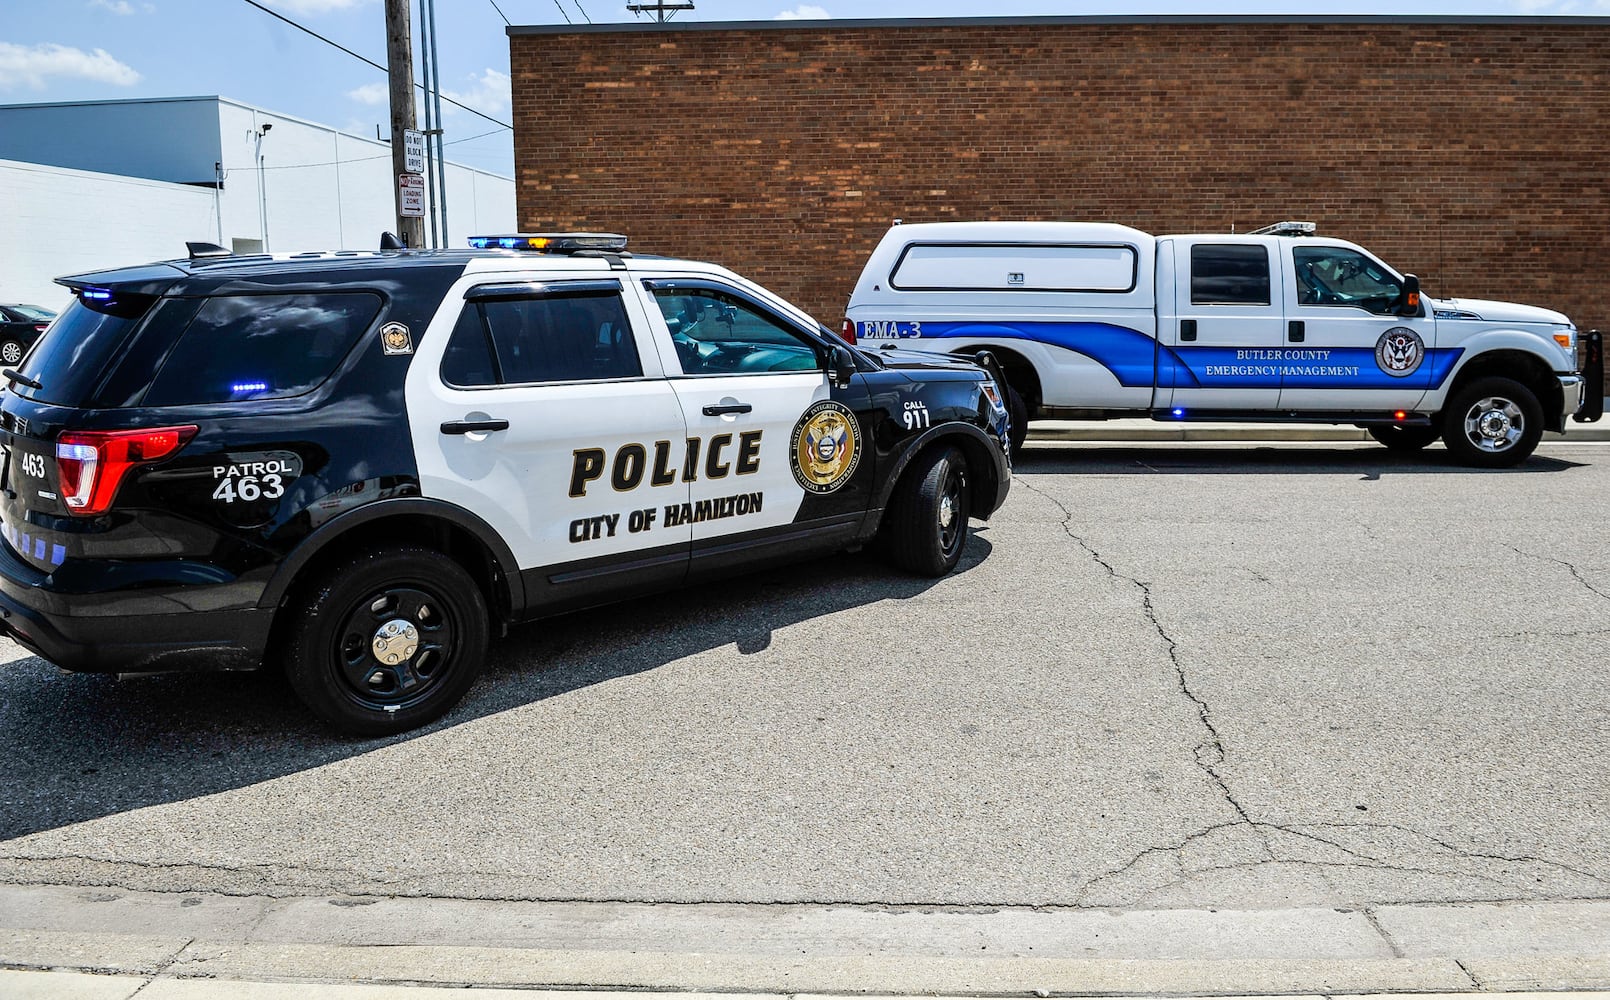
(1590, 405)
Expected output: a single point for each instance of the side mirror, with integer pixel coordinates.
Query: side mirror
(1409, 304)
(841, 363)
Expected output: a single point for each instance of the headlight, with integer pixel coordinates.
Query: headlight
(1565, 336)
(994, 394)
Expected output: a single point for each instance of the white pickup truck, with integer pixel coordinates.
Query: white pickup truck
(1098, 321)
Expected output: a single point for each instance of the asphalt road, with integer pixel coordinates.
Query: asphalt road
(1164, 676)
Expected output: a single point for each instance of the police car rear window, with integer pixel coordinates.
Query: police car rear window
(262, 347)
(71, 359)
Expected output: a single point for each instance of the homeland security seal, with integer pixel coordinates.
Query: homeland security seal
(1399, 351)
(827, 447)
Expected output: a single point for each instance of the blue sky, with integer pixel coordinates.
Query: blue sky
(65, 50)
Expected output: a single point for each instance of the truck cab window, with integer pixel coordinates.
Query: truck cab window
(1336, 276)
(1229, 275)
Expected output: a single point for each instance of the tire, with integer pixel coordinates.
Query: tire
(426, 600)
(927, 518)
(1017, 411)
(11, 352)
(1404, 439)
(1492, 423)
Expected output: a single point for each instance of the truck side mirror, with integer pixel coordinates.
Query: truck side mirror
(842, 365)
(1409, 304)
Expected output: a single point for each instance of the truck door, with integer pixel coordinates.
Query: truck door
(1346, 346)
(1220, 343)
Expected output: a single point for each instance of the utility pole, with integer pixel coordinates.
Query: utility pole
(400, 65)
(663, 10)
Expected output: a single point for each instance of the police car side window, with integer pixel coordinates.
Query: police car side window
(261, 347)
(579, 337)
(1230, 274)
(1336, 276)
(718, 334)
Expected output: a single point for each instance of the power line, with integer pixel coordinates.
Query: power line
(363, 159)
(495, 7)
(371, 62)
(582, 9)
(562, 12)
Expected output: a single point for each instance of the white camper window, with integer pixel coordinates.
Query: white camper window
(1015, 267)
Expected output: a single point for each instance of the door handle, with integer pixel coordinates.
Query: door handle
(1296, 330)
(1187, 329)
(717, 409)
(471, 426)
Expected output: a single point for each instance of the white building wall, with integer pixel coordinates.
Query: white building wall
(323, 189)
(55, 221)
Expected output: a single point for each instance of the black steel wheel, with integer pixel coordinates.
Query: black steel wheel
(1404, 439)
(1492, 423)
(387, 641)
(927, 517)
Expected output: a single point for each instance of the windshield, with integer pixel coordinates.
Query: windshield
(34, 313)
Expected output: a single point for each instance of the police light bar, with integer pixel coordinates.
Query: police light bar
(551, 242)
(1288, 229)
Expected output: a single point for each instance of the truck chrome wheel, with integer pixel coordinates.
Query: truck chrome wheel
(1494, 424)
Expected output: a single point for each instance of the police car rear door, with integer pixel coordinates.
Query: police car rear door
(1346, 346)
(539, 403)
(778, 457)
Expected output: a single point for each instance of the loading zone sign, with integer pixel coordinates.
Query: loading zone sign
(411, 200)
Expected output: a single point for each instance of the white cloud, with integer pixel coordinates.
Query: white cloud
(122, 8)
(491, 95)
(21, 65)
(317, 6)
(804, 12)
(371, 93)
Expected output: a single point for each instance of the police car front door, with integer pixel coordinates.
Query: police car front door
(777, 459)
(542, 408)
(1220, 348)
(1347, 349)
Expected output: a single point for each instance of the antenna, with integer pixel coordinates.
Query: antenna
(663, 10)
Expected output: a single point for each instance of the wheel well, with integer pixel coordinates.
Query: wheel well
(979, 462)
(1521, 366)
(1019, 371)
(453, 541)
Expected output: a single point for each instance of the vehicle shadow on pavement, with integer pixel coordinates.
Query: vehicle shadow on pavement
(1354, 462)
(76, 747)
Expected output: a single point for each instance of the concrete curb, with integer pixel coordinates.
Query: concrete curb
(797, 949)
(1141, 430)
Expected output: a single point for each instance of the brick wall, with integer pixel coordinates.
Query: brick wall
(1473, 154)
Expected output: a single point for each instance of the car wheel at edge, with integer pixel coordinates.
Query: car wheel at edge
(1492, 423)
(11, 351)
(928, 515)
(387, 640)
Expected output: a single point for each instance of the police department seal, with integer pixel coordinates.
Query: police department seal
(395, 339)
(1399, 351)
(827, 447)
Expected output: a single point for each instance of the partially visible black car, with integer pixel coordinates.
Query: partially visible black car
(20, 326)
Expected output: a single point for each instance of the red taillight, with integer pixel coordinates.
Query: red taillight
(92, 464)
(1400, 415)
(41, 327)
(847, 331)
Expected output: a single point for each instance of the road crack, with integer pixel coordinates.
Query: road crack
(1568, 565)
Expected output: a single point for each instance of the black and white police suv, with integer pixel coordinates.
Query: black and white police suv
(361, 464)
